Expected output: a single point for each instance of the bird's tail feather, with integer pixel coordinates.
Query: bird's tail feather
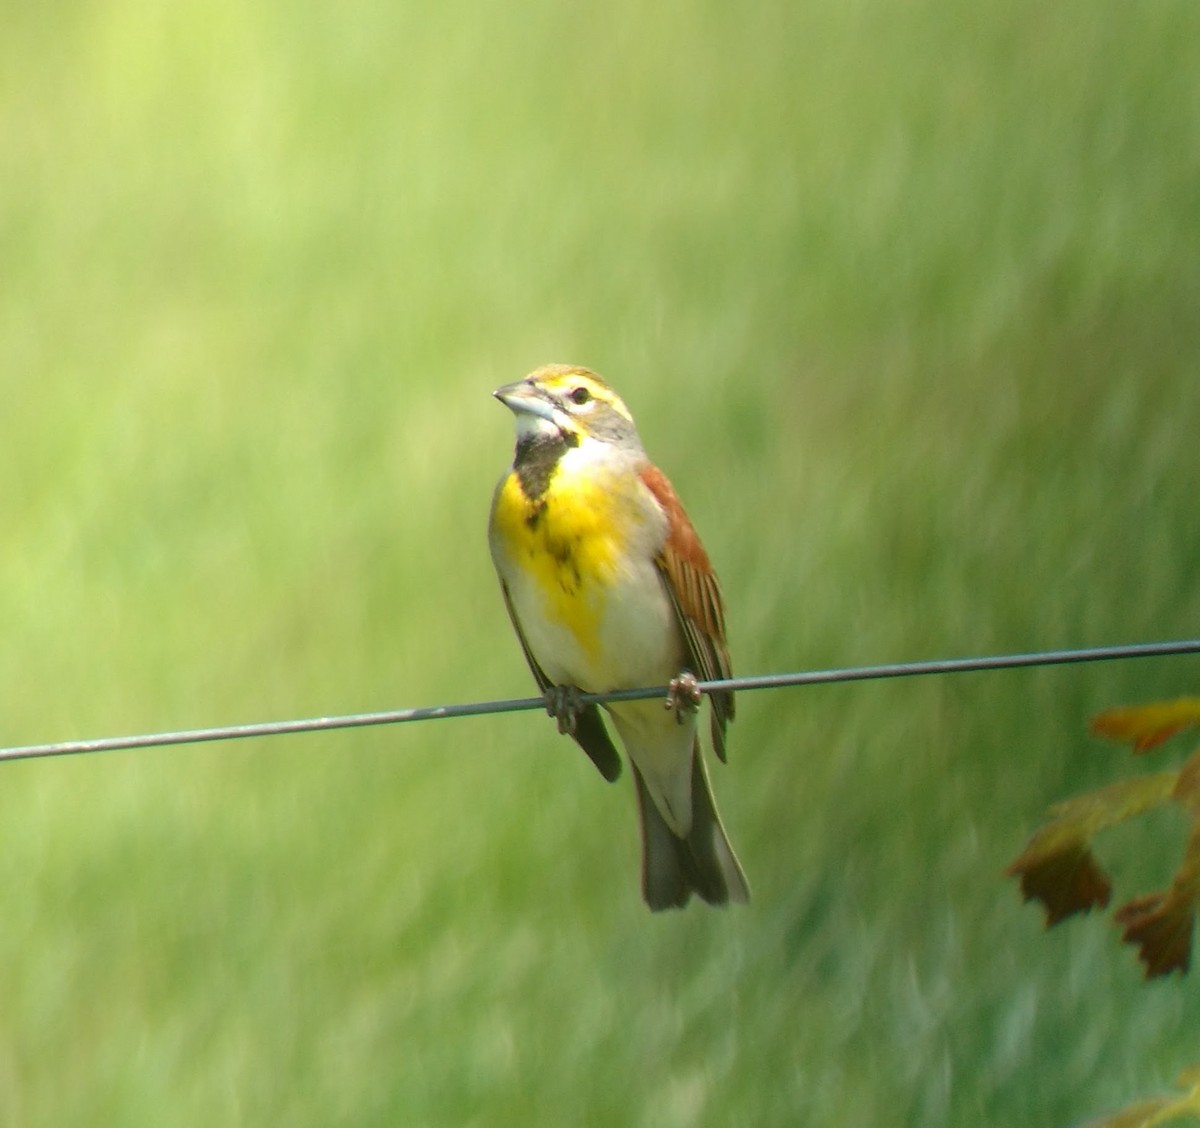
(703, 863)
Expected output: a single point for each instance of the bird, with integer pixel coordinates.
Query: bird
(608, 587)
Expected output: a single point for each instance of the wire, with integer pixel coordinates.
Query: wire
(522, 704)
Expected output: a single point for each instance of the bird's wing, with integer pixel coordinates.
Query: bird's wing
(590, 733)
(696, 596)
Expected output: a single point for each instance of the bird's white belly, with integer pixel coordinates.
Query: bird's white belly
(637, 640)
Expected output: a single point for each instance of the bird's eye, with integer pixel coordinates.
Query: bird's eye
(580, 395)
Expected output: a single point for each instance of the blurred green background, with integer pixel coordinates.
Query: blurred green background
(904, 298)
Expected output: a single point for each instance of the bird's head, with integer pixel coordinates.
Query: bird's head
(568, 404)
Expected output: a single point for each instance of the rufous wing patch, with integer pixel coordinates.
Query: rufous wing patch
(696, 595)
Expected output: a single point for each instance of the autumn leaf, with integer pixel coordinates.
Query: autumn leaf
(1189, 1078)
(1066, 880)
(1144, 1114)
(1158, 1110)
(1162, 924)
(1147, 726)
(1187, 786)
(1058, 867)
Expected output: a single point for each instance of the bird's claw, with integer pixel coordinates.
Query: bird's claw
(683, 696)
(563, 704)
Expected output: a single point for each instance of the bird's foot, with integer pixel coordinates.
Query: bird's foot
(563, 704)
(683, 696)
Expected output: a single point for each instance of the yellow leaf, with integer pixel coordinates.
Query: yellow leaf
(1187, 787)
(1158, 1110)
(1144, 1114)
(1147, 726)
(1189, 1077)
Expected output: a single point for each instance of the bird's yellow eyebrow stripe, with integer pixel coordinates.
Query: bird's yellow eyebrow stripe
(562, 383)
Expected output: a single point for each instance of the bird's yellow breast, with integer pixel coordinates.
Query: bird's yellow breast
(568, 544)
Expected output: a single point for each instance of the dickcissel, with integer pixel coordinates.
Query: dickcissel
(609, 588)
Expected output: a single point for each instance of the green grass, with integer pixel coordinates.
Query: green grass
(904, 299)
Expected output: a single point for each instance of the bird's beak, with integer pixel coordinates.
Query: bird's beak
(522, 398)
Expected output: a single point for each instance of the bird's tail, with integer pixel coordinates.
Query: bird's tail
(703, 863)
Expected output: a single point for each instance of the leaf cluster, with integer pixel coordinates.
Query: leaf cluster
(1059, 868)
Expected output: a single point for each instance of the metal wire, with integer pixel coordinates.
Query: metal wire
(520, 704)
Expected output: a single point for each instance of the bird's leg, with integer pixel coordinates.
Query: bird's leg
(683, 696)
(563, 704)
